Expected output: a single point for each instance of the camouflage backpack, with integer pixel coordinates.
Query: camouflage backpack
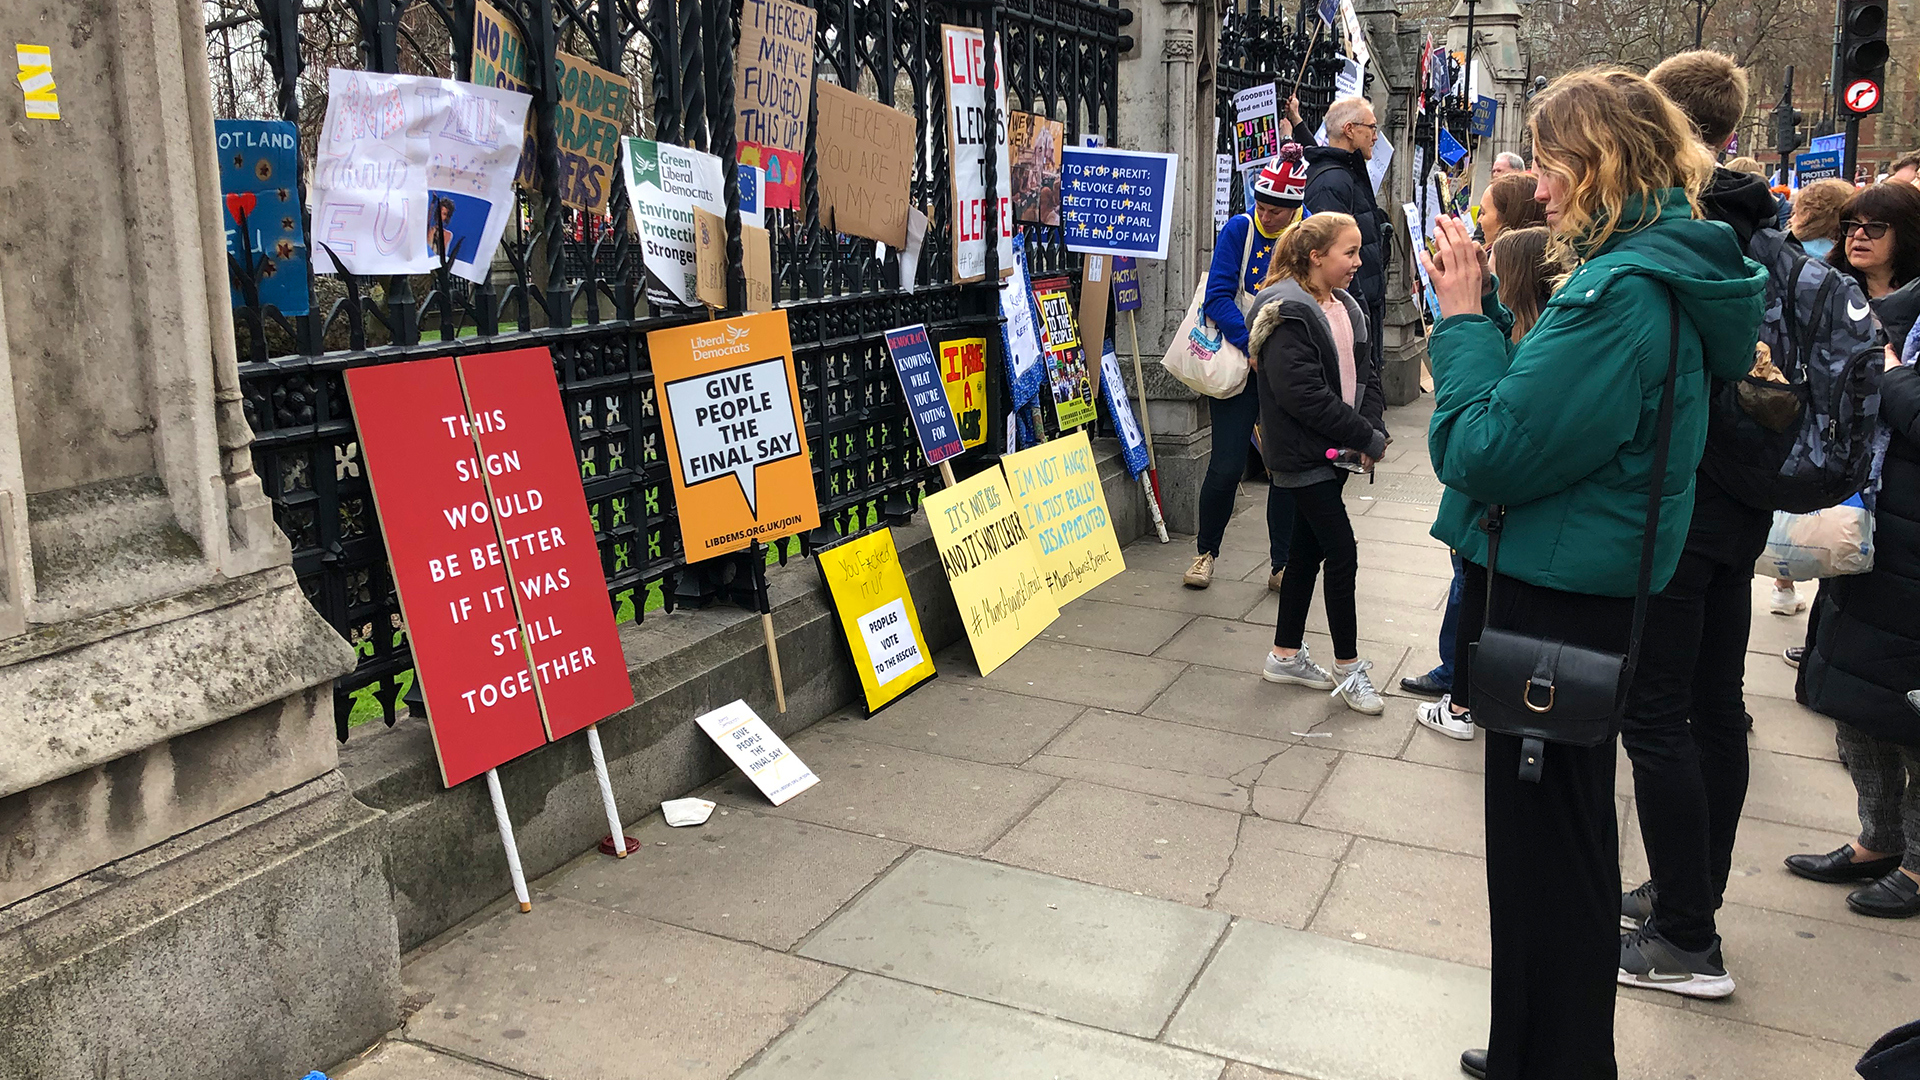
(1798, 432)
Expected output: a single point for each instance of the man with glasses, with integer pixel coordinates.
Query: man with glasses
(1337, 180)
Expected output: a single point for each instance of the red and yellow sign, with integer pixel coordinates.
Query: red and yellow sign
(963, 368)
(730, 409)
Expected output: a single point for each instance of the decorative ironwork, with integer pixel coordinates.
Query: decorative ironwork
(571, 281)
(1261, 42)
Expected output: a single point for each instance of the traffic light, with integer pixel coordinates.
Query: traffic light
(1863, 56)
(1786, 128)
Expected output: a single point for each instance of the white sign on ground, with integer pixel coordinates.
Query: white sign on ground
(732, 421)
(745, 738)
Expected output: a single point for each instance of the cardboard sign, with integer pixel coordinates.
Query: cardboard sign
(869, 593)
(1035, 143)
(1067, 374)
(1057, 487)
(260, 177)
(963, 367)
(460, 619)
(772, 79)
(964, 62)
(751, 744)
(1256, 126)
(710, 257)
(1133, 446)
(1118, 201)
(1096, 286)
(664, 184)
(1126, 284)
(992, 565)
(593, 106)
(864, 155)
(412, 170)
(1020, 331)
(546, 541)
(756, 256)
(735, 443)
(921, 383)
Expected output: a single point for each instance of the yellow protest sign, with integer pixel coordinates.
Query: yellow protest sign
(869, 591)
(1057, 487)
(993, 566)
(963, 368)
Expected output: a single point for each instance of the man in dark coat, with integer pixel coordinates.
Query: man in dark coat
(1337, 180)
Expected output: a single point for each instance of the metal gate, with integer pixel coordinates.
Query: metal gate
(1261, 43)
(574, 285)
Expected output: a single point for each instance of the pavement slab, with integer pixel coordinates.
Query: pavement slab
(1163, 591)
(1416, 900)
(1302, 1003)
(1176, 555)
(1786, 727)
(1115, 627)
(1758, 879)
(405, 1061)
(896, 794)
(1407, 803)
(1125, 840)
(961, 720)
(523, 991)
(998, 933)
(1801, 791)
(1241, 702)
(1100, 735)
(1075, 673)
(1279, 872)
(1655, 1043)
(745, 875)
(877, 1029)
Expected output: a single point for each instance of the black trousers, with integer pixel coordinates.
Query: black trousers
(1553, 858)
(1322, 532)
(1686, 732)
(1234, 420)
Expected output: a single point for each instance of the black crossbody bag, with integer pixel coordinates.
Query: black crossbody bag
(1544, 691)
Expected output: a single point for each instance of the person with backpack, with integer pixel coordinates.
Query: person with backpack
(1862, 661)
(1569, 462)
(1240, 260)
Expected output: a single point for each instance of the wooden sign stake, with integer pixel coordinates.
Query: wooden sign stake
(506, 839)
(766, 623)
(946, 475)
(1151, 481)
(1317, 24)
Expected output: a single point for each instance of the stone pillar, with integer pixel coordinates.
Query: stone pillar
(1396, 75)
(1497, 52)
(160, 669)
(1166, 104)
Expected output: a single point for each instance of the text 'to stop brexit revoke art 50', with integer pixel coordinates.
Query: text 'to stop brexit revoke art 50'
(730, 409)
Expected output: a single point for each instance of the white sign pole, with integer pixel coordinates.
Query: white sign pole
(506, 839)
(618, 843)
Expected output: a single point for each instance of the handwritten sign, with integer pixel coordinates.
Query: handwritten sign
(882, 627)
(756, 257)
(664, 185)
(752, 746)
(1117, 201)
(412, 170)
(1066, 361)
(963, 366)
(865, 158)
(771, 82)
(260, 161)
(1126, 284)
(969, 140)
(992, 564)
(1057, 487)
(737, 450)
(710, 257)
(1133, 446)
(920, 381)
(593, 105)
(1256, 126)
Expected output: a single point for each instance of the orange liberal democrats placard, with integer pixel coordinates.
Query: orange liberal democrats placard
(454, 595)
(730, 407)
(546, 539)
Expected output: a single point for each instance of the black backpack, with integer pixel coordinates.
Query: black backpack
(1802, 440)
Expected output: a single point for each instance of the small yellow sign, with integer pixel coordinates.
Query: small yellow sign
(993, 566)
(36, 81)
(1057, 487)
(869, 591)
(963, 368)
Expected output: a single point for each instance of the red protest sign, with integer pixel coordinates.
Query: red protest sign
(548, 543)
(493, 553)
(416, 433)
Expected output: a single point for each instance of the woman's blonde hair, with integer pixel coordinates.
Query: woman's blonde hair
(1528, 274)
(1293, 251)
(1612, 137)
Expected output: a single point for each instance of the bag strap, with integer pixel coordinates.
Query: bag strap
(1246, 256)
(1663, 440)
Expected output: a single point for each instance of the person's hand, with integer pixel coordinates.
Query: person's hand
(1366, 463)
(1457, 269)
(1293, 109)
(1893, 359)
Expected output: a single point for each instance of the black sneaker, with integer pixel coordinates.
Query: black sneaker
(1474, 1063)
(1793, 655)
(1636, 907)
(1651, 962)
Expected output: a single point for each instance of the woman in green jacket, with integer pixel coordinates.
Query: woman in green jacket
(1560, 430)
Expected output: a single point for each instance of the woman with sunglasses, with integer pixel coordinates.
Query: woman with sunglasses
(1880, 248)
